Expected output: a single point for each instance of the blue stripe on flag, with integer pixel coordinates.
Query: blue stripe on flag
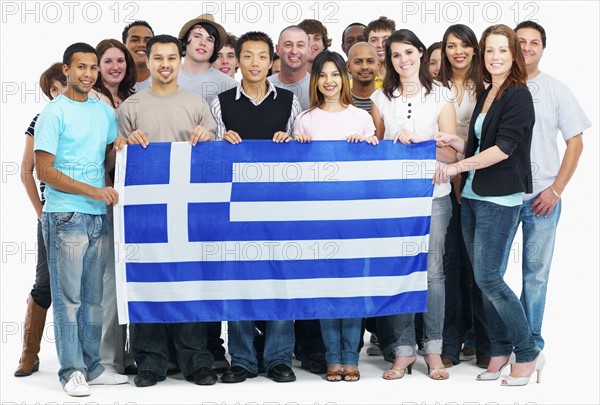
(146, 223)
(321, 191)
(216, 165)
(150, 165)
(264, 270)
(303, 308)
(209, 222)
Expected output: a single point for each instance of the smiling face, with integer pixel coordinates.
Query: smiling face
(363, 63)
(497, 56)
(460, 54)
(330, 82)
(226, 61)
(164, 62)
(137, 38)
(435, 62)
(353, 34)
(377, 39)
(293, 49)
(315, 46)
(200, 45)
(81, 75)
(406, 60)
(113, 67)
(531, 46)
(255, 62)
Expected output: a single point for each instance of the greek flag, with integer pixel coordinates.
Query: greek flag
(268, 231)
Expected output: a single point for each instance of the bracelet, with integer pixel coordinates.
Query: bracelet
(554, 191)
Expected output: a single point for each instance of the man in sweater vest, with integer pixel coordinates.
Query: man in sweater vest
(256, 109)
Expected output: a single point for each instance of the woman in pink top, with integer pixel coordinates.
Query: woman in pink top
(332, 116)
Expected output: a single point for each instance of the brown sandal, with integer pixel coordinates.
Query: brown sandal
(352, 376)
(334, 375)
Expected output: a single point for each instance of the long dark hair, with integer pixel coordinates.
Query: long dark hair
(466, 35)
(391, 82)
(518, 70)
(316, 97)
(126, 86)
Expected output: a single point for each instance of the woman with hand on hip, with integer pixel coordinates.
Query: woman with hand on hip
(499, 172)
(411, 107)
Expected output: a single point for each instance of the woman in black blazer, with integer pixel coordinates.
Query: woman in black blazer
(499, 172)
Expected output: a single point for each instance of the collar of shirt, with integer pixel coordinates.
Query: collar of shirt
(240, 91)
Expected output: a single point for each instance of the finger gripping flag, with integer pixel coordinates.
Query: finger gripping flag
(269, 231)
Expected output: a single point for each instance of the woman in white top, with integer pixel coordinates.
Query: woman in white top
(332, 116)
(411, 107)
(464, 302)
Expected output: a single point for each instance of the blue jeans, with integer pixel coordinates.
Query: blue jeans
(77, 246)
(150, 346)
(341, 338)
(539, 235)
(279, 344)
(396, 333)
(488, 230)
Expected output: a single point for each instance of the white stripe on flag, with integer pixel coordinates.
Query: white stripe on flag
(265, 172)
(189, 192)
(330, 210)
(275, 250)
(277, 289)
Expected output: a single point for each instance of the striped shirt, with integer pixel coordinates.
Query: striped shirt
(363, 103)
(30, 132)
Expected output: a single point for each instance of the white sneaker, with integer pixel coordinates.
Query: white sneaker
(77, 386)
(109, 378)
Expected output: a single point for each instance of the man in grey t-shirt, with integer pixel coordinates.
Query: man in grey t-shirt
(292, 48)
(556, 109)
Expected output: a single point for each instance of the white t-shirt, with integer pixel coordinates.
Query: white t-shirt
(556, 109)
(419, 114)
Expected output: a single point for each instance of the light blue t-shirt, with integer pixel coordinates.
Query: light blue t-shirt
(76, 133)
(511, 200)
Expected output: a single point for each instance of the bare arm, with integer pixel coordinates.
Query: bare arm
(52, 176)
(487, 158)
(447, 124)
(378, 121)
(27, 177)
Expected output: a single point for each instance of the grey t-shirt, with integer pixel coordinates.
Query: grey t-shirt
(300, 89)
(207, 85)
(556, 109)
(139, 86)
(170, 118)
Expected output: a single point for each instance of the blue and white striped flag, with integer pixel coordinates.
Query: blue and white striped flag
(266, 231)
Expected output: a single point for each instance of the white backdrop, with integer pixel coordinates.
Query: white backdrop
(35, 34)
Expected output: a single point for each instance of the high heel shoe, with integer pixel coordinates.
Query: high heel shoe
(398, 373)
(510, 381)
(431, 373)
(487, 376)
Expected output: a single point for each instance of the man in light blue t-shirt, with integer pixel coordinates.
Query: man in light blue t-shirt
(74, 133)
(556, 109)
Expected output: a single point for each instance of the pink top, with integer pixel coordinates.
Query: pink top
(334, 126)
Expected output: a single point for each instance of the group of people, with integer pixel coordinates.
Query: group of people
(470, 96)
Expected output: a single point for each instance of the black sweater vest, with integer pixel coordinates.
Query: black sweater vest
(256, 121)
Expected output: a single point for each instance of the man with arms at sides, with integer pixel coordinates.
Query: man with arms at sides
(167, 113)
(256, 109)
(376, 33)
(556, 108)
(292, 49)
(318, 39)
(353, 34)
(74, 134)
(135, 37)
(363, 65)
(202, 39)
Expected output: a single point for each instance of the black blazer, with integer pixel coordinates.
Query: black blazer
(508, 124)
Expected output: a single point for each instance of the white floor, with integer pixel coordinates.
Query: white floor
(564, 381)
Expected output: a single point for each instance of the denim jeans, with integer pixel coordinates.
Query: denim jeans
(150, 346)
(488, 230)
(396, 333)
(464, 318)
(41, 289)
(539, 235)
(76, 246)
(279, 344)
(341, 338)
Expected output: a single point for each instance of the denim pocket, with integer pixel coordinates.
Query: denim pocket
(63, 218)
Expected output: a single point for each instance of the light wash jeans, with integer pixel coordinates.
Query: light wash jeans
(539, 235)
(341, 338)
(396, 333)
(76, 246)
(279, 344)
(488, 230)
